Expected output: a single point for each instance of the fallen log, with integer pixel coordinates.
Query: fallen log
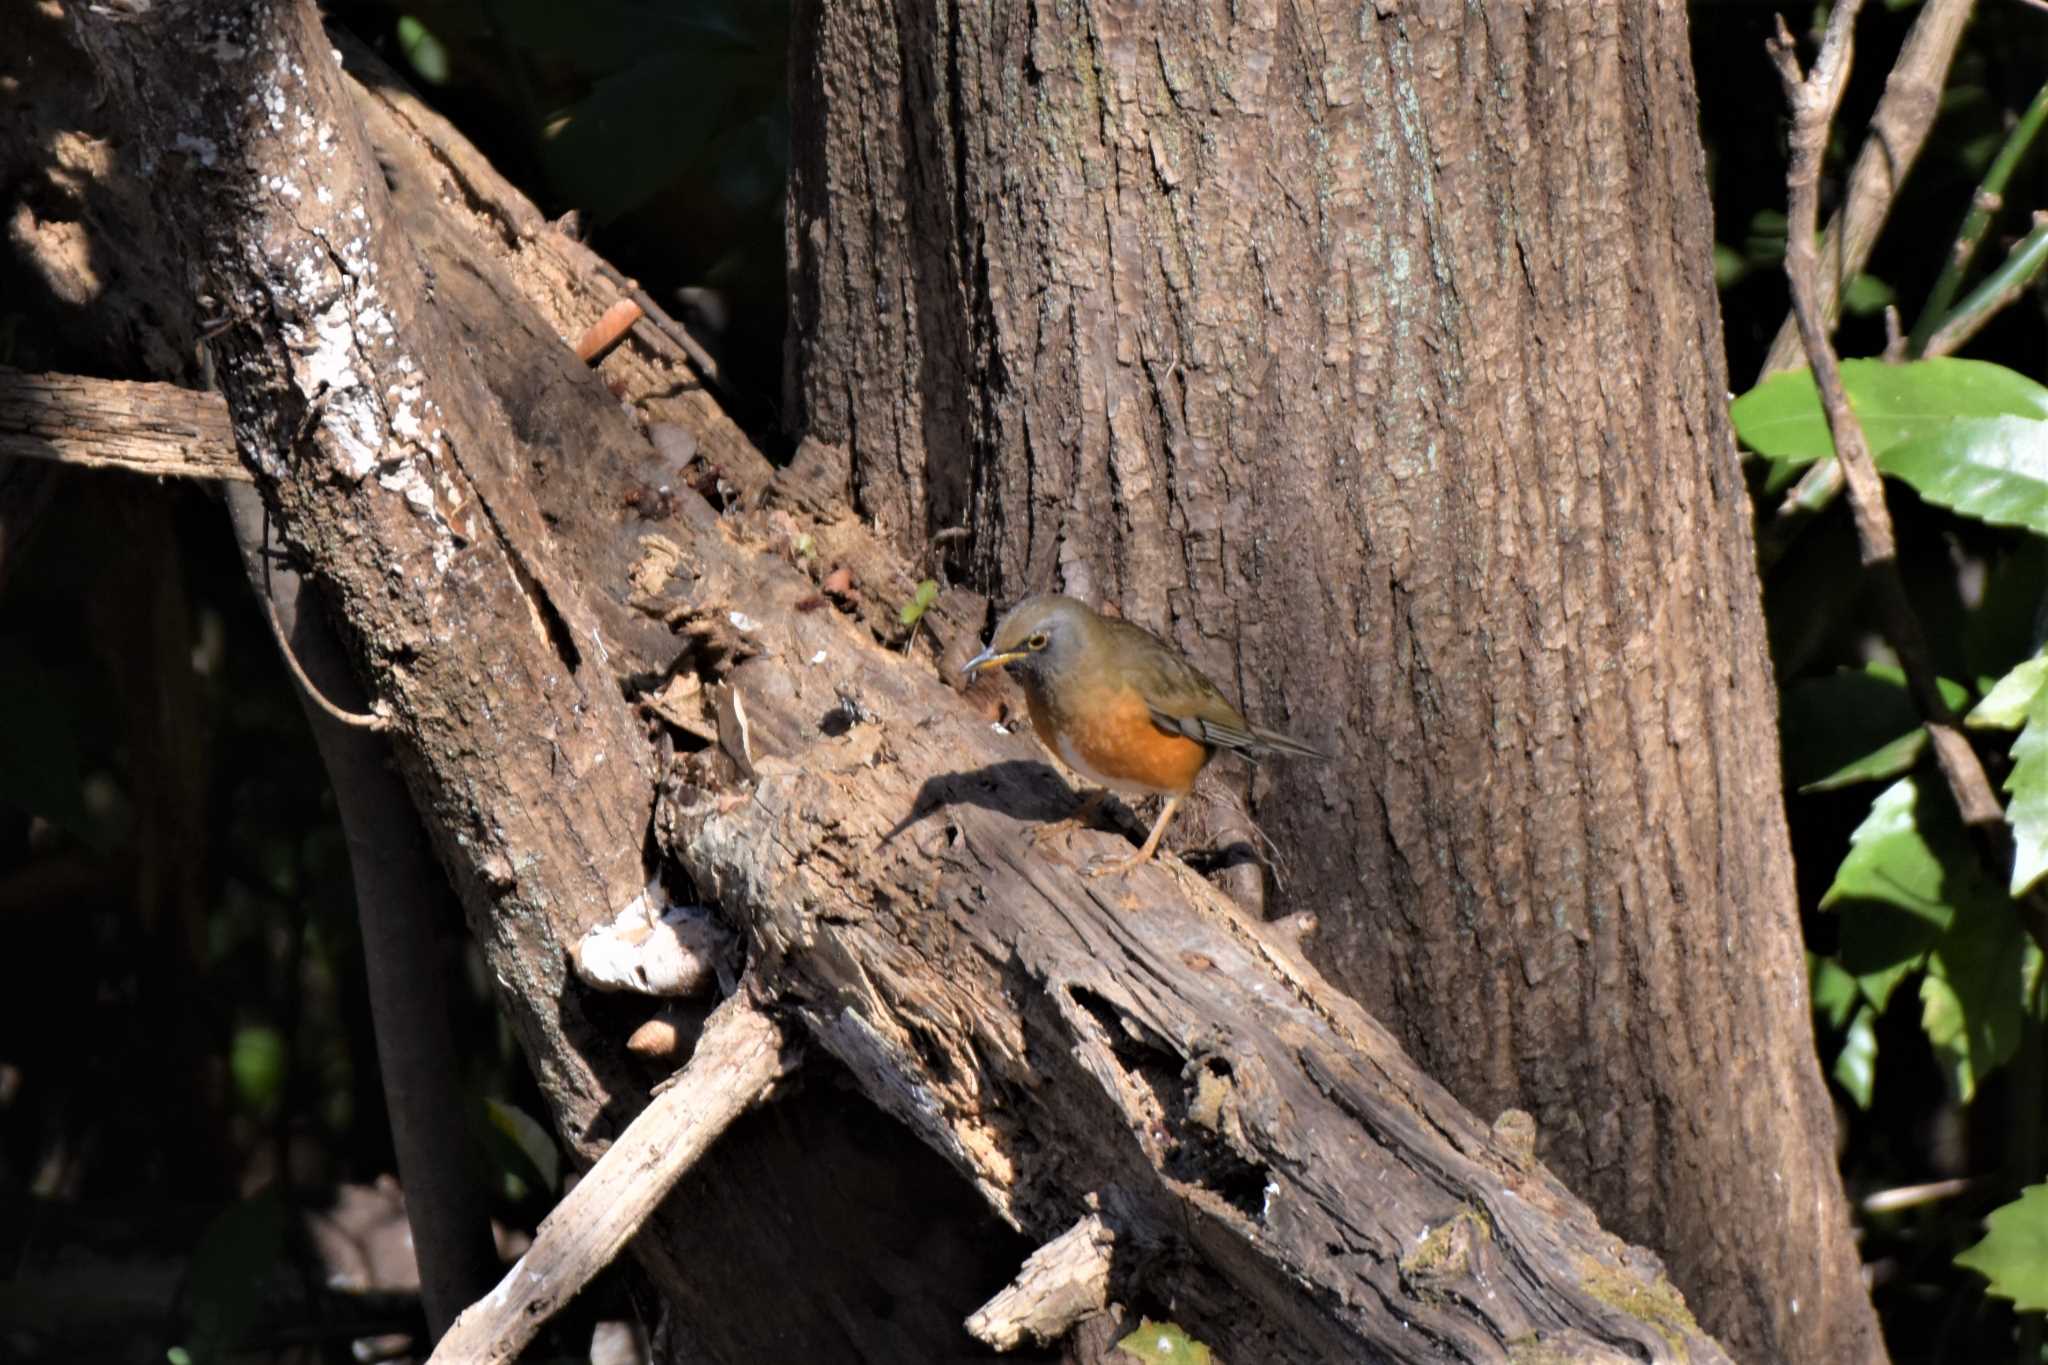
(1279, 1175)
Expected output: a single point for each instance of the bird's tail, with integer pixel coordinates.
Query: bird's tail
(1275, 742)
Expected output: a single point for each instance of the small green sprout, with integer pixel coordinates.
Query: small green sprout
(913, 611)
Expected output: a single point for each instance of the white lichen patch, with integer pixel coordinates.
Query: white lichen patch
(405, 418)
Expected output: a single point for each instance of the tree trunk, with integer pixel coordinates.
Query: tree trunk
(1273, 1171)
(1374, 358)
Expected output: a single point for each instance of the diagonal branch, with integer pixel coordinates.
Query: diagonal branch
(1813, 98)
(740, 1056)
(1898, 128)
(157, 429)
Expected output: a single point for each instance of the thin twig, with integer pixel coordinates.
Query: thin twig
(1813, 99)
(371, 720)
(1989, 198)
(665, 328)
(402, 901)
(1914, 1196)
(1898, 129)
(740, 1056)
(1999, 289)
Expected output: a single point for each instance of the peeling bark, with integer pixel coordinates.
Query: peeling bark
(1371, 354)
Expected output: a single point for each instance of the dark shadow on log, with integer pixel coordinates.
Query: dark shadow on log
(1019, 788)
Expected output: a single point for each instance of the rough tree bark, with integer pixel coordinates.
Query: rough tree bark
(1372, 353)
(1286, 1182)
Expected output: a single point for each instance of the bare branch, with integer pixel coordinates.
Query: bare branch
(1998, 291)
(740, 1056)
(1898, 128)
(402, 898)
(108, 424)
(1813, 99)
(1063, 1281)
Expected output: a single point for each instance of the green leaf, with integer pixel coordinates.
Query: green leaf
(1993, 469)
(1891, 860)
(2027, 784)
(1908, 870)
(1856, 1064)
(1781, 418)
(1834, 992)
(1889, 760)
(1857, 725)
(521, 1147)
(913, 611)
(1729, 266)
(2014, 1252)
(257, 1060)
(1866, 294)
(2005, 706)
(428, 57)
(1164, 1343)
(1912, 898)
(1973, 996)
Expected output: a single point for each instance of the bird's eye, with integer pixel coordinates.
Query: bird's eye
(1035, 642)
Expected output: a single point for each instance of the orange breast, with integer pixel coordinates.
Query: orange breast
(1114, 742)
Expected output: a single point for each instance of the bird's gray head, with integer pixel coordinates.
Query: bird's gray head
(1040, 636)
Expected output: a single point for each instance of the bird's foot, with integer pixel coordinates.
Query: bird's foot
(1106, 866)
(1082, 818)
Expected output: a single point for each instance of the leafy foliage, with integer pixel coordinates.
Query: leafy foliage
(911, 612)
(1781, 419)
(2014, 1253)
(1163, 1343)
(2027, 784)
(1907, 897)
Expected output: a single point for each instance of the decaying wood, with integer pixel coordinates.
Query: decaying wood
(391, 472)
(1283, 1176)
(112, 424)
(1371, 355)
(739, 1057)
(1137, 1042)
(1063, 1282)
(660, 372)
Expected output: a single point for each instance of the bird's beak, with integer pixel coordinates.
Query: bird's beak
(988, 658)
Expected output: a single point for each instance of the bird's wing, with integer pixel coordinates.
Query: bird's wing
(1183, 701)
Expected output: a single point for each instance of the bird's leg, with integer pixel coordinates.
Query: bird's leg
(1083, 815)
(1143, 855)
